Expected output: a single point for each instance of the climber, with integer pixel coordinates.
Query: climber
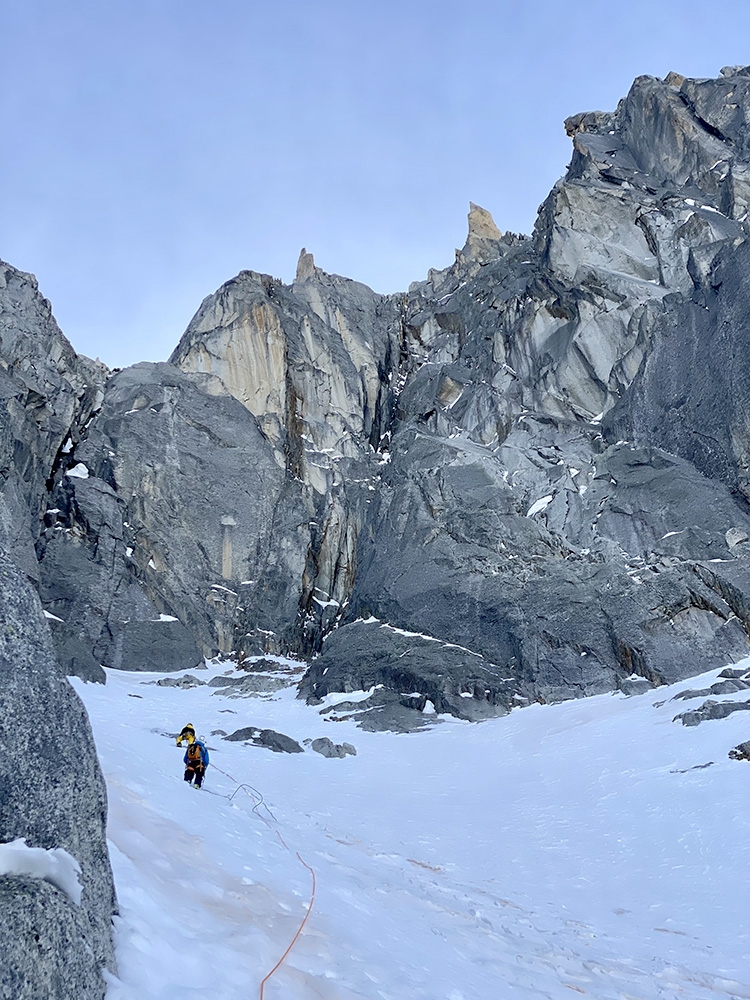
(196, 762)
(188, 733)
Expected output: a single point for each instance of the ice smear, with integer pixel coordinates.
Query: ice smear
(53, 865)
(337, 697)
(539, 505)
(78, 472)
(410, 635)
(327, 604)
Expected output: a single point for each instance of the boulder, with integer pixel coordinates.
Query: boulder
(185, 682)
(712, 710)
(736, 673)
(255, 684)
(729, 686)
(225, 682)
(328, 748)
(268, 738)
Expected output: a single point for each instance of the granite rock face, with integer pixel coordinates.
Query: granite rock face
(51, 789)
(180, 494)
(524, 479)
(571, 411)
(52, 794)
(48, 395)
(315, 365)
(527, 478)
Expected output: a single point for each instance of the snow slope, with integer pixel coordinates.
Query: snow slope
(580, 848)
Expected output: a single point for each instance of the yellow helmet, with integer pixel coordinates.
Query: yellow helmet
(188, 733)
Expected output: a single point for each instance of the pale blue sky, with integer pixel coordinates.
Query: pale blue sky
(151, 150)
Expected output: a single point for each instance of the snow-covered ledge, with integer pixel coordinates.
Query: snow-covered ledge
(53, 865)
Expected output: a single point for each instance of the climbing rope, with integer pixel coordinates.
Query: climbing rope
(253, 792)
(299, 929)
(257, 802)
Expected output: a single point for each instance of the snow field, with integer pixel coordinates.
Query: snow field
(575, 848)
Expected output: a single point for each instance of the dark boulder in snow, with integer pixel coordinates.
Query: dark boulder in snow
(735, 673)
(186, 682)
(328, 748)
(225, 682)
(268, 738)
(727, 686)
(741, 752)
(251, 686)
(712, 710)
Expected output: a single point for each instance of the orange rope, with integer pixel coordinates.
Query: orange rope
(299, 929)
(300, 859)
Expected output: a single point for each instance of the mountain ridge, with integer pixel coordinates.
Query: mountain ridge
(447, 413)
(523, 479)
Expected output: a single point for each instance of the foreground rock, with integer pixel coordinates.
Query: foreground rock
(53, 796)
